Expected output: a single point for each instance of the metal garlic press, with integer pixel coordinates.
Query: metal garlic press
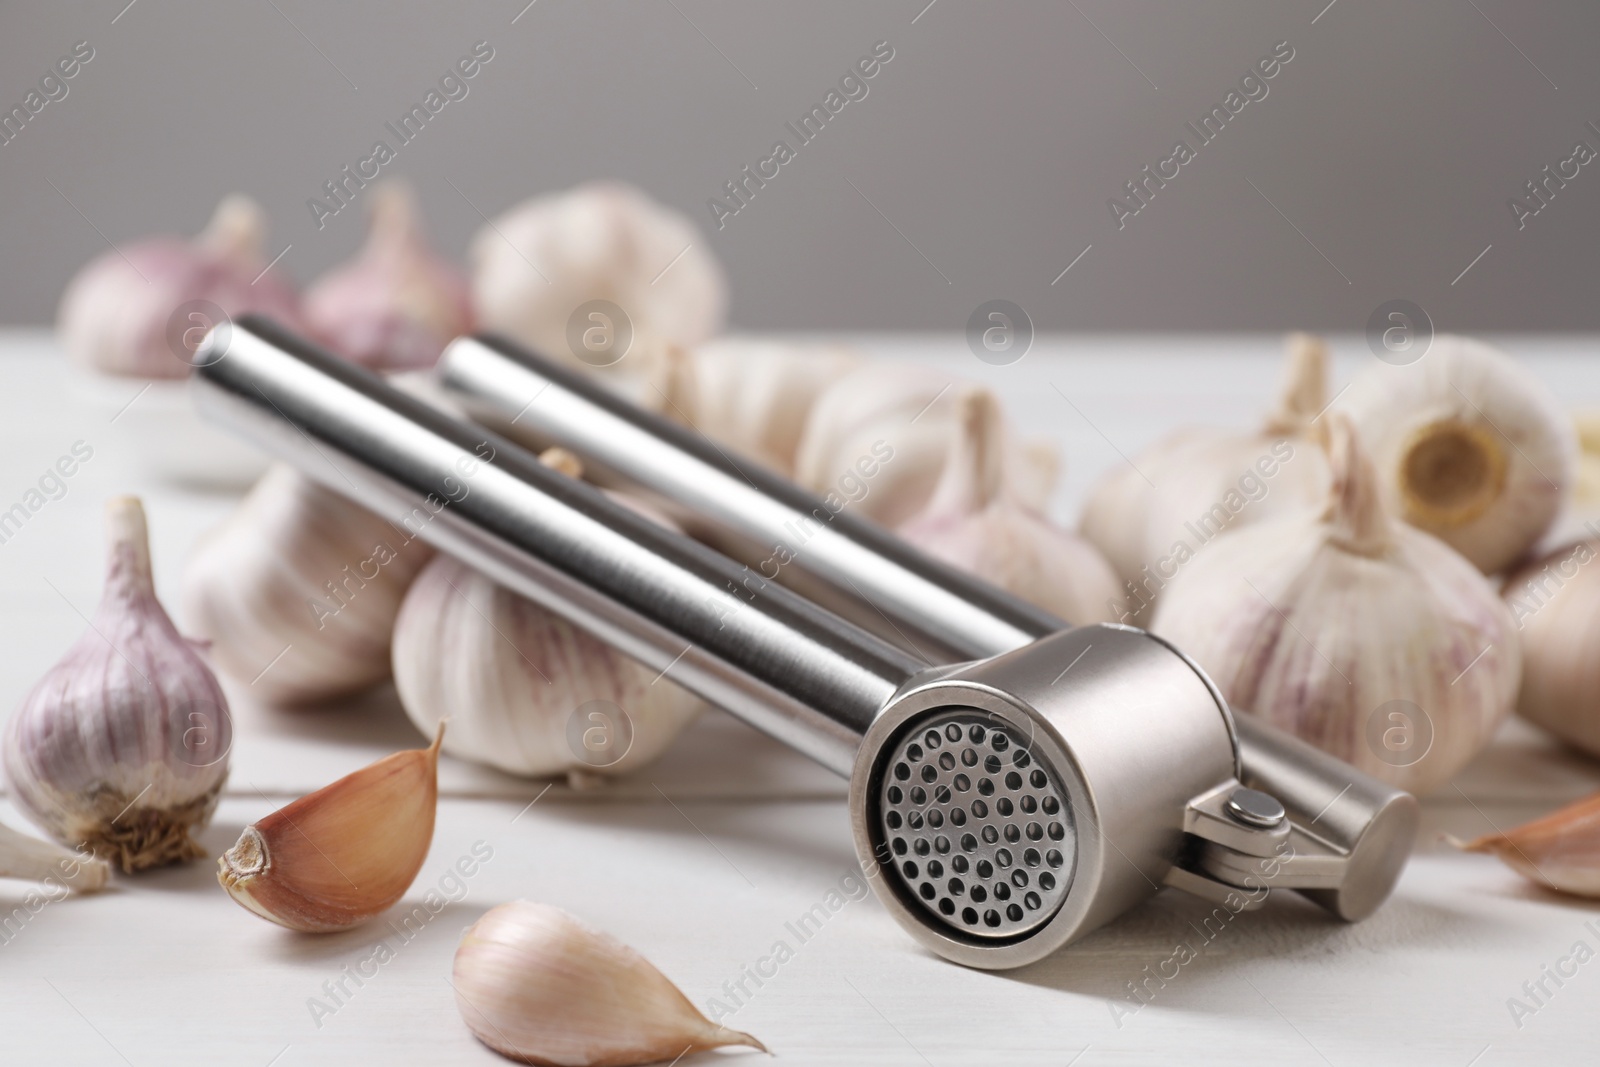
(1014, 783)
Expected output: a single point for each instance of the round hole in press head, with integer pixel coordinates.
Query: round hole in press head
(991, 763)
(1013, 780)
(958, 817)
(975, 734)
(1053, 858)
(968, 843)
(986, 787)
(985, 869)
(910, 868)
(913, 752)
(1037, 779)
(958, 863)
(969, 758)
(931, 739)
(941, 844)
(979, 894)
(914, 820)
(935, 819)
(990, 835)
(941, 793)
(929, 772)
(894, 794)
(935, 869)
(921, 847)
(1013, 835)
(893, 819)
(1002, 857)
(961, 782)
(955, 887)
(1047, 881)
(1003, 806)
(991, 917)
(1031, 857)
(927, 891)
(999, 741)
(952, 732)
(969, 916)
(1021, 758)
(1032, 901)
(947, 906)
(1050, 805)
(1056, 831)
(1019, 878)
(1028, 804)
(1034, 831)
(919, 795)
(947, 761)
(1014, 913)
(899, 846)
(1002, 891)
(901, 771)
(980, 809)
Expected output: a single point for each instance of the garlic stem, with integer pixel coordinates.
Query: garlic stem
(22, 856)
(1305, 390)
(1356, 517)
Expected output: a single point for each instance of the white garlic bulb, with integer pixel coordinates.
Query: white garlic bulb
(914, 411)
(117, 314)
(539, 262)
(1556, 602)
(1153, 515)
(1471, 447)
(397, 304)
(538, 986)
(755, 396)
(123, 745)
(298, 589)
(976, 522)
(1368, 638)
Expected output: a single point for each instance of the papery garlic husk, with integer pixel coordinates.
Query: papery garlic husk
(1471, 447)
(976, 522)
(1368, 638)
(754, 396)
(298, 589)
(1560, 850)
(539, 986)
(27, 857)
(1556, 602)
(1152, 515)
(123, 745)
(899, 419)
(335, 858)
(398, 303)
(115, 313)
(537, 263)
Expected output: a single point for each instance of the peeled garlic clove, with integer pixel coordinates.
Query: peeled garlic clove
(1471, 447)
(1368, 638)
(298, 589)
(1556, 602)
(115, 313)
(536, 264)
(397, 304)
(976, 522)
(1560, 850)
(27, 857)
(538, 986)
(909, 414)
(123, 745)
(755, 396)
(335, 858)
(1151, 516)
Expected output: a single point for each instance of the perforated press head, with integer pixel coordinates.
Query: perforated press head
(975, 827)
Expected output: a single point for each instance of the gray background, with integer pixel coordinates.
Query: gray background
(991, 142)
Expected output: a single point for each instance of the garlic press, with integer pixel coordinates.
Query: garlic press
(1014, 783)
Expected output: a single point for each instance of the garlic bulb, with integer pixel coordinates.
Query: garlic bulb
(123, 745)
(538, 986)
(335, 858)
(397, 304)
(754, 396)
(117, 314)
(975, 522)
(1471, 448)
(298, 589)
(1368, 638)
(538, 263)
(1556, 602)
(27, 857)
(913, 413)
(1151, 516)
(1560, 850)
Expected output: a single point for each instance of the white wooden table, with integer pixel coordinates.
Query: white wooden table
(164, 969)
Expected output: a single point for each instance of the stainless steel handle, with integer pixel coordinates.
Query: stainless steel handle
(764, 653)
(888, 586)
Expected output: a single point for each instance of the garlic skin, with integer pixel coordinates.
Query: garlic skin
(1556, 603)
(1471, 448)
(975, 521)
(27, 857)
(755, 396)
(597, 241)
(916, 412)
(538, 986)
(114, 313)
(298, 589)
(123, 745)
(397, 304)
(335, 858)
(1152, 515)
(1366, 637)
(1560, 851)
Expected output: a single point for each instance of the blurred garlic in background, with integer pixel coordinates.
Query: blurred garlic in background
(297, 590)
(976, 522)
(1556, 602)
(1368, 638)
(1471, 447)
(398, 303)
(1153, 514)
(117, 314)
(916, 412)
(535, 265)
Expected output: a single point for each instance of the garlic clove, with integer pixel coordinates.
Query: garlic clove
(974, 521)
(116, 313)
(335, 858)
(1556, 602)
(1366, 637)
(538, 986)
(397, 304)
(122, 747)
(27, 857)
(297, 591)
(1561, 850)
(1471, 447)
